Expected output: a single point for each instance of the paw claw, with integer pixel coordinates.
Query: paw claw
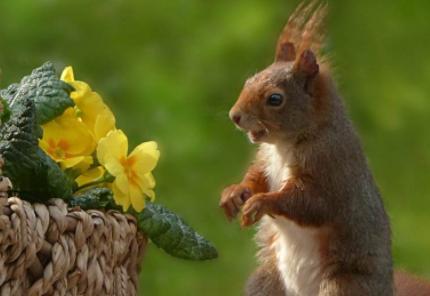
(233, 198)
(253, 210)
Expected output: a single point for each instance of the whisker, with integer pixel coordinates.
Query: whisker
(261, 123)
(272, 125)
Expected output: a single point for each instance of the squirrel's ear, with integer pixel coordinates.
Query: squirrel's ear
(307, 65)
(285, 52)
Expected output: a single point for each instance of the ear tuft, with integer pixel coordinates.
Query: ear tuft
(286, 52)
(307, 64)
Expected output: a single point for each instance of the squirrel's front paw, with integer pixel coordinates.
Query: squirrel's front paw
(255, 208)
(232, 199)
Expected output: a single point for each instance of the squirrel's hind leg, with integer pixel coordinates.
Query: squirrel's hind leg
(265, 281)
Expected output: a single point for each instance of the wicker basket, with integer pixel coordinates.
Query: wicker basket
(48, 249)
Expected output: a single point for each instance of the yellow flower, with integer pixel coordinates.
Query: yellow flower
(67, 141)
(90, 176)
(89, 106)
(133, 177)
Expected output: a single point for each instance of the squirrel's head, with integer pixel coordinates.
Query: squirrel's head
(279, 102)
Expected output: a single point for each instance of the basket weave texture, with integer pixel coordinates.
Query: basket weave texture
(48, 249)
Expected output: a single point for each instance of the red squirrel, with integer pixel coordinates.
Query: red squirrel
(323, 229)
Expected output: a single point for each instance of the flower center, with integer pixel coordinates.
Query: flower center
(58, 149)
(128, 165)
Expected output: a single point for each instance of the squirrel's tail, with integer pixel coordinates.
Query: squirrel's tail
(409, 285)
(305, 28)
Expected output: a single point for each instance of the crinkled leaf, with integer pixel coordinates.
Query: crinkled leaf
(49, 93)
(35, 176)
(171, 233)
(94, 198)
(165, 229)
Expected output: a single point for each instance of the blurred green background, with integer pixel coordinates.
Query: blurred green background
(170, 69)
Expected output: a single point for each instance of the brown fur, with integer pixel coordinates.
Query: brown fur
(330, 187)
(408, 285)
(265, 281)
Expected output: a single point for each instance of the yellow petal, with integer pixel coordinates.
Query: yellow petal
(151, 181)
(43, 144)
(67, 74)
(137, 198)
(91, 105)
(105, 122)
(146, 156)
(150, 194)
(74, 137)
(120, 197)
(69, 114)
(90, 176)
(146, 182)
(111, 149)
(121, 181)
(114, 167)
(82, 90)
(84, 164)
(71, 162)
(90, 108)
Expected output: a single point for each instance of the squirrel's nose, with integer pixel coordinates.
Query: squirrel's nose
(236, 118)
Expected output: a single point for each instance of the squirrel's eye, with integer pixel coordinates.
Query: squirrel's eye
(275, 100)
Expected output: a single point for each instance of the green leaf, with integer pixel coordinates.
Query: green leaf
(165, 229)
(94, 198)
(49, 93)
(35, 176)
(171, 233)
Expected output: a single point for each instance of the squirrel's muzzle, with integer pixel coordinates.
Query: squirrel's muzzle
(236, 118)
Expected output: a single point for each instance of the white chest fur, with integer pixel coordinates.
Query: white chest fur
(296, 247)
(277, 165)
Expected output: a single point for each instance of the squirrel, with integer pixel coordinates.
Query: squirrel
(323, 229)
